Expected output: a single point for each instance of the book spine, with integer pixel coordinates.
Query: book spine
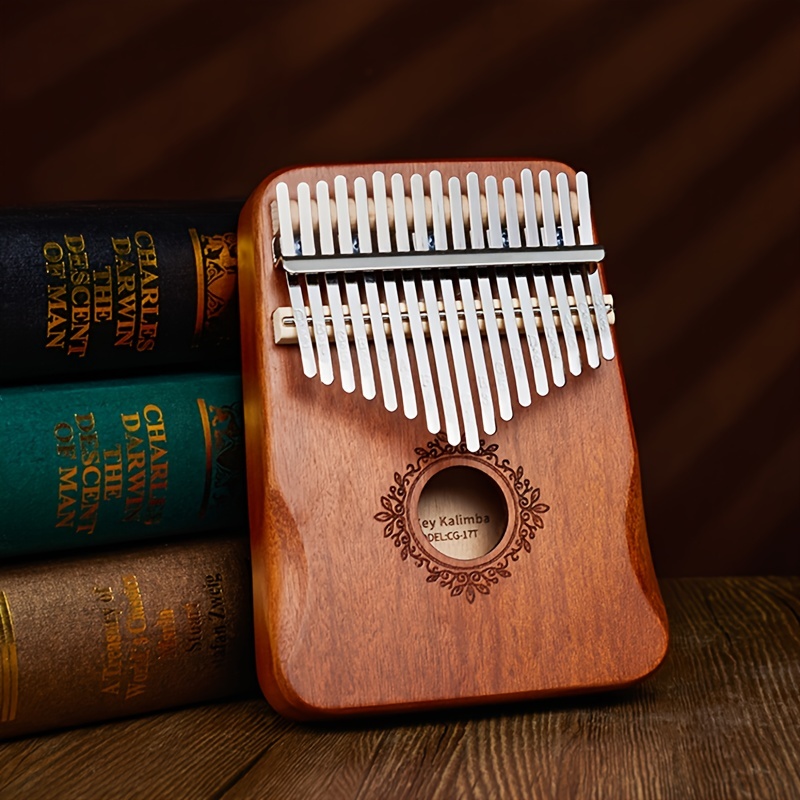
(95, 287)
(120, 460)
(123, 632)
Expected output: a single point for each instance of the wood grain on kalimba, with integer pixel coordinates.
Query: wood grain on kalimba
(445, 509)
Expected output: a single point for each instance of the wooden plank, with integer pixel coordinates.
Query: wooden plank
(720, 719)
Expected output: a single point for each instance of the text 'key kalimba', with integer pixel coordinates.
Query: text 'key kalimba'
(380, 266)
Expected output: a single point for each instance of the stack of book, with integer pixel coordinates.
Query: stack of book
(124, 560)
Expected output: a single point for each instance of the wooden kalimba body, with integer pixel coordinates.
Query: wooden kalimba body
(443, 482)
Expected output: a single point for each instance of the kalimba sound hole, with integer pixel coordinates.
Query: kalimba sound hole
(462, 512)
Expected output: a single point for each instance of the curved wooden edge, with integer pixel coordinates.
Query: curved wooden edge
(280, 572)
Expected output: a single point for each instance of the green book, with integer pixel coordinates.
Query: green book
(120, 460)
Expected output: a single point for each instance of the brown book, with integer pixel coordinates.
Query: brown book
(124, 631)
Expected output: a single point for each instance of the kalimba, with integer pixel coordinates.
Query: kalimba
(443, 482)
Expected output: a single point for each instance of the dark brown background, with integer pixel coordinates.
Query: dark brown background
(684, 114)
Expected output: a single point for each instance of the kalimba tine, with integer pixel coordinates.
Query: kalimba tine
(443, 481)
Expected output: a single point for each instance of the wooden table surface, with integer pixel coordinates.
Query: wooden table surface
(720, 719)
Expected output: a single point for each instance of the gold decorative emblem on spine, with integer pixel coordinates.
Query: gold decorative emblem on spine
(215, 262)
(224, 451)
(9, 668)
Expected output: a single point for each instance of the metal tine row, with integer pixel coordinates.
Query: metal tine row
(307, 247)
(287, 243)
(435, 329)
(487, 301)
(441, 284)
(326, 244)
(418, 339)
(352, 290)
(448, 294)
(576, 276)
(373, 298)
(495, 240)
(539, 280)
(586, 236)
(523, 290)
(384, 237)
(466, 291)
(550, 239)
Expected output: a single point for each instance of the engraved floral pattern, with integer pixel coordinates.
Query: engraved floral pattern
(470, 580)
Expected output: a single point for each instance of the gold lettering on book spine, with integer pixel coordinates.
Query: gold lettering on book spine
(215, 263)
(203, 408)
(9, 667)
